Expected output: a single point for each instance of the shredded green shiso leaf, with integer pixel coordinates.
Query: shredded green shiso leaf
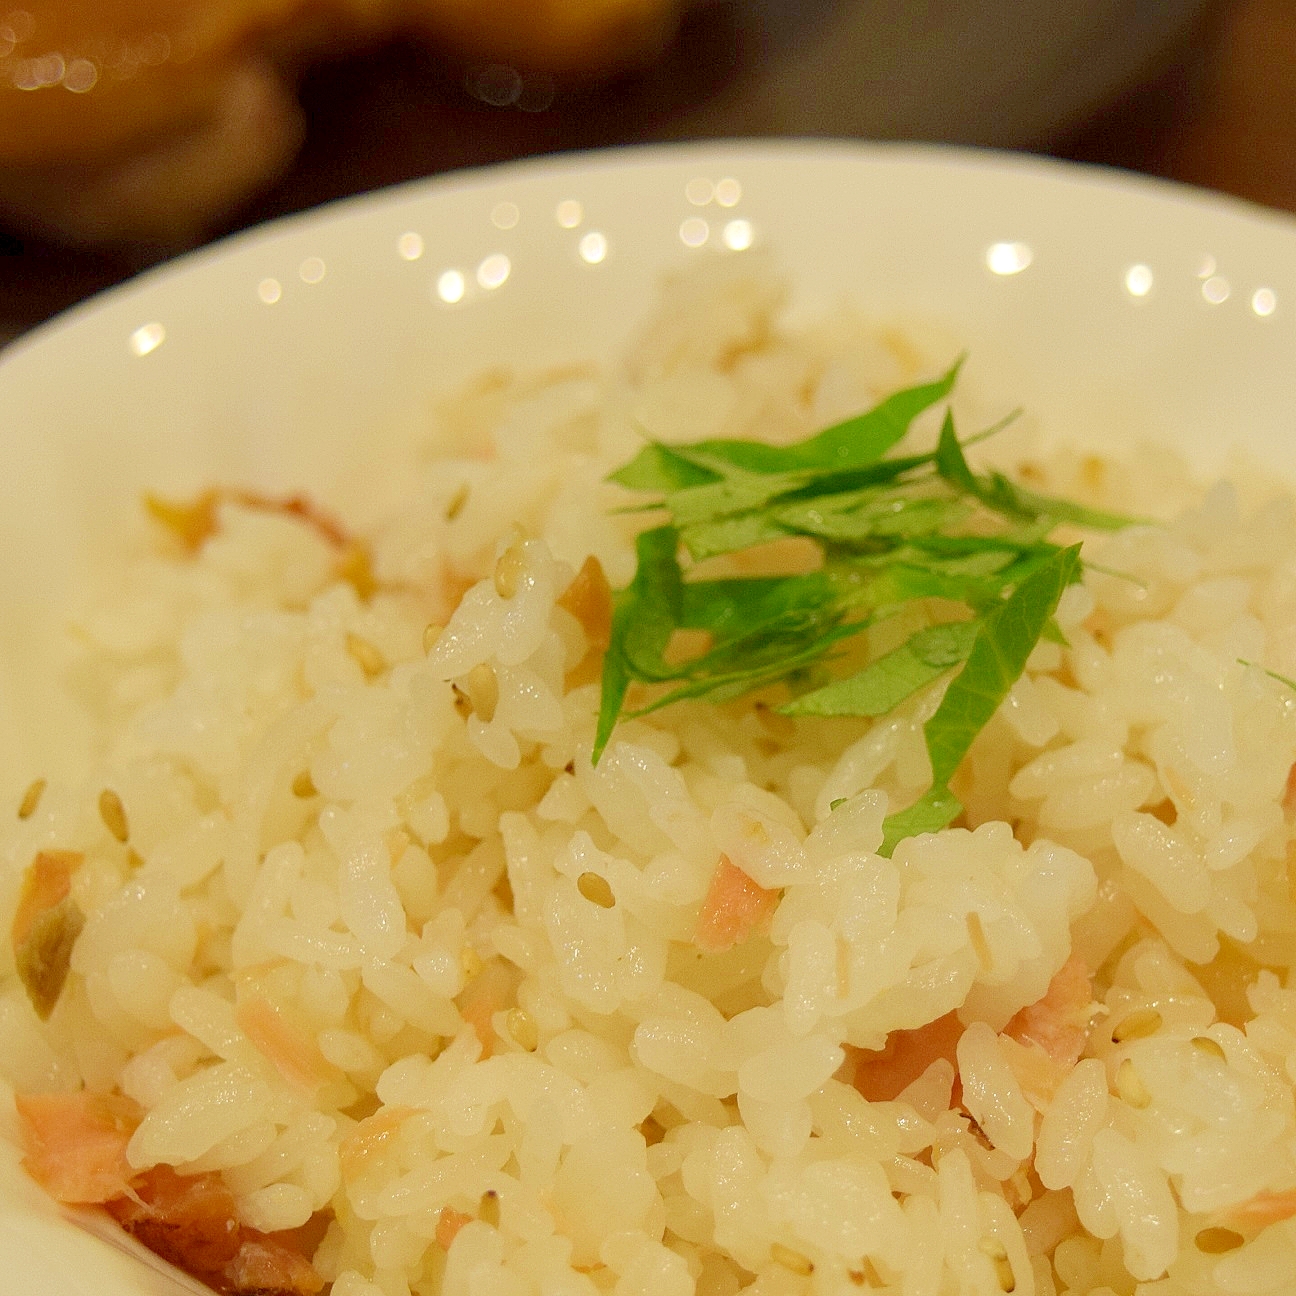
(1273, 675)
(890, 530)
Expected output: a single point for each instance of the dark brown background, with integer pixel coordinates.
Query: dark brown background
(1219, 112)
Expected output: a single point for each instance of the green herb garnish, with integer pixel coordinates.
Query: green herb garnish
(1273, 675)
(1004, 640)
(891, 531)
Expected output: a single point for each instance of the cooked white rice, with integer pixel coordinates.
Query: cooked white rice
(314, 819)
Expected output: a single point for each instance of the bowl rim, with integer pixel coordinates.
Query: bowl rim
(1021, 166)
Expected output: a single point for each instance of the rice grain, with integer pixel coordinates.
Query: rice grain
(379, 943)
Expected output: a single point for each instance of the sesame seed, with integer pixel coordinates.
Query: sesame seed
(1217, 1241)
(594, 887)
(113, 814)
(522, 1028)
(31, 799)
(1212, 1048)
(1130, 1086)
(509, 571)
(366, 656)
(998, 1256)
(457, 502)
(483, 691)
(794, 1261)
(1139, 1024)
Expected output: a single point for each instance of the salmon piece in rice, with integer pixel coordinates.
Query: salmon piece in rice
(1045, 1040)
(76, 1150)
(265, 1266)
(882, 1075)
(449, 1223)
(75, 1144)
(1263, 1209)
(189, 1220)
(1060, 1022)
(295, 1055)
(371, 1139)
(192, 1222)
(734, 908)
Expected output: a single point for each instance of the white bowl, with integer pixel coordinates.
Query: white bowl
(289, 359)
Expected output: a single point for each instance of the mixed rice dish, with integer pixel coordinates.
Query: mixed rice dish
(347, 969)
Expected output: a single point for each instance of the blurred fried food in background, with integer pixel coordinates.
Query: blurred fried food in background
(146, 121)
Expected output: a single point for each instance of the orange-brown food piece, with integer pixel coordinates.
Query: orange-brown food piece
(46, 883)
(1263, 1209)
(882, 1075)
(265, 1266)
(75, 1148)
(189, 1220)
(355, 566)
(734, 908)
(486, 994)
(45, 929)
(370, 1138)
(1059, 1022)
(1046, 1039)
(1289, 793)
(294, 1053)
(129, 68)
(448, 1225)
(75, 1144)
(194, 522)
(589, 599)
(298, 506)
(147, 120)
